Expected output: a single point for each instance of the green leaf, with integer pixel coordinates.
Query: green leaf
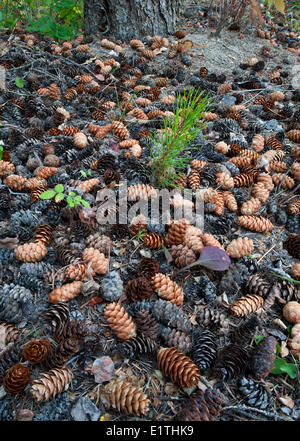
(59, 197)
(158, 374)
(72, 193)
(49, 194)
(19, 83)
(258, 338)
(282, 367)
(59, 188)
(85, 203)
(83, 173)
(279, 5)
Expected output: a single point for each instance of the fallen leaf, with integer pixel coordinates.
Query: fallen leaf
(287, 401)
(284, 352)
(171, 390)
(25, 415)
(9, 242)
(103, 369)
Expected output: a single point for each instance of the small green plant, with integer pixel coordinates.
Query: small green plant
(86, 174)
(1, 150)
(179, 131)
(58, 194)
(140, 236)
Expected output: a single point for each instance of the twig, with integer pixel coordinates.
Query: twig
(243, 409)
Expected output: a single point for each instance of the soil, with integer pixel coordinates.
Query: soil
(204, 289)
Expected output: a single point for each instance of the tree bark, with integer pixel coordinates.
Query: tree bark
(127, 19)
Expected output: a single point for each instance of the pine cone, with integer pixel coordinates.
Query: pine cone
(295, 169)
(146, 324)
(244, 332)
(62, 353)
(204, 348)
(294, 135)
(171, 315)
(31, 252)
(138, 223)
(197, 164)
(46, 172)
(231, 362)
(266, 180)
(250, 207)
(291, 312)
(180, 368)
(76, 272)
(259, 191)
(263, 357)
(258, 143)
(292, 245)
(255, 223)
(16, 379)
(98, 261)
(193, 239)
(218, 200)
(8, 358)
(230, 201)
(50, 384)
(210, 241)
(55, 317)
(257, 285)
(153, 241)
(100, 242)
(167, 289)
(43, 234)
(254, 393)
(119, 321)
(213, 319)
(88, 185)
(277, 166)
(224, 181)
(246, 305)
(126, 398)
(111, 176)
(202, 406)
(10, 333)
(240, 247)
(147, 267)
(138, 346)
(176, 339)
(73, 329)
(295, 271)
(284, 181)
(119, 130)
(294, 207)
(139, 289)
(36, 351)
(176, 232)
(67, 255)
(243, 180)
(294, 341)
(65, 292)
(194, 179)
(182, 255)
(141, 191)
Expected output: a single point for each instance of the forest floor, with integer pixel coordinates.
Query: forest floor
(27, 117)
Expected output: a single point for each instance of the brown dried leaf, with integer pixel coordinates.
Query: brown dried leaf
(9, 242)
(287, 401)
(185, 46)
(103, 369)
(171, 390)
(284, 352)
(25, 415)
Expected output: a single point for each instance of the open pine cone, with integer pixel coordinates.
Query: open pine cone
(119, 321)
(167, 289)
(16, 379)
(50, 384)
(31, 252)
(36, 351)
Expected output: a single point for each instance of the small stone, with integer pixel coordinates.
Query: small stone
(103, 369)
(85, 410)
(145, 253)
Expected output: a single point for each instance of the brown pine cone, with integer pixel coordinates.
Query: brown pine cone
(80, 140)
(178, 367)
(234, 150)
(263, 357)
(293, 207)
(15, 182)
(294, 135)
(146, 324)
(257, 285)
(224, 181)
(246, 153)
(88, 185)
(240, 247)
(277, 166)
(100, 242)
(218, 200)
(9, 332)
(193, 239)
(111, 176)
(30, 252)
(255, 223)
(35, 194)
(70, 94)
(292, 245)
(119, 130)
(176, 232)
(259, 191)
(45, 172)
(153, 241)
(16, 379)
(140, 114)
(295, 169)
(182, 255)
(54, 91)
(251, 206)
(246, 305)
(50, 384)
(197, 164)
(202, 406)
(73, 329)
(243, 180)
(258, 143)
(203, 71)
(224, 88)
(295, 271)
(76, 272)
(286, 182)
(67, 255)
(210, 241)
(266, 180)
(167, 289)
(34, 183)
(125, 397)
(240, 161)
(181, 181)
(119, 321)
(194, 179)
(43, 234)
(147, 267)
(101, 131)
(62, 353)
(36, 351)
(141, 191)
(55, 317)
(71, 130)
(138, 289)
(230, 201)
(98, 261)
(65, 292)
(6, 168)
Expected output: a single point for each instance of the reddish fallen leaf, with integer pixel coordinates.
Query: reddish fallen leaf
(100, 77)
(25, 415)
(103, 369)
(95, 300)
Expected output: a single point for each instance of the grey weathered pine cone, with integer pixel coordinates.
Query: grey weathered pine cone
(112, 286)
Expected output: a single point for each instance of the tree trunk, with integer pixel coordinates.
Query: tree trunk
(127, 19)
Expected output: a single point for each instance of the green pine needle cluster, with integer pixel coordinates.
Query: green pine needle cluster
(167, 149)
